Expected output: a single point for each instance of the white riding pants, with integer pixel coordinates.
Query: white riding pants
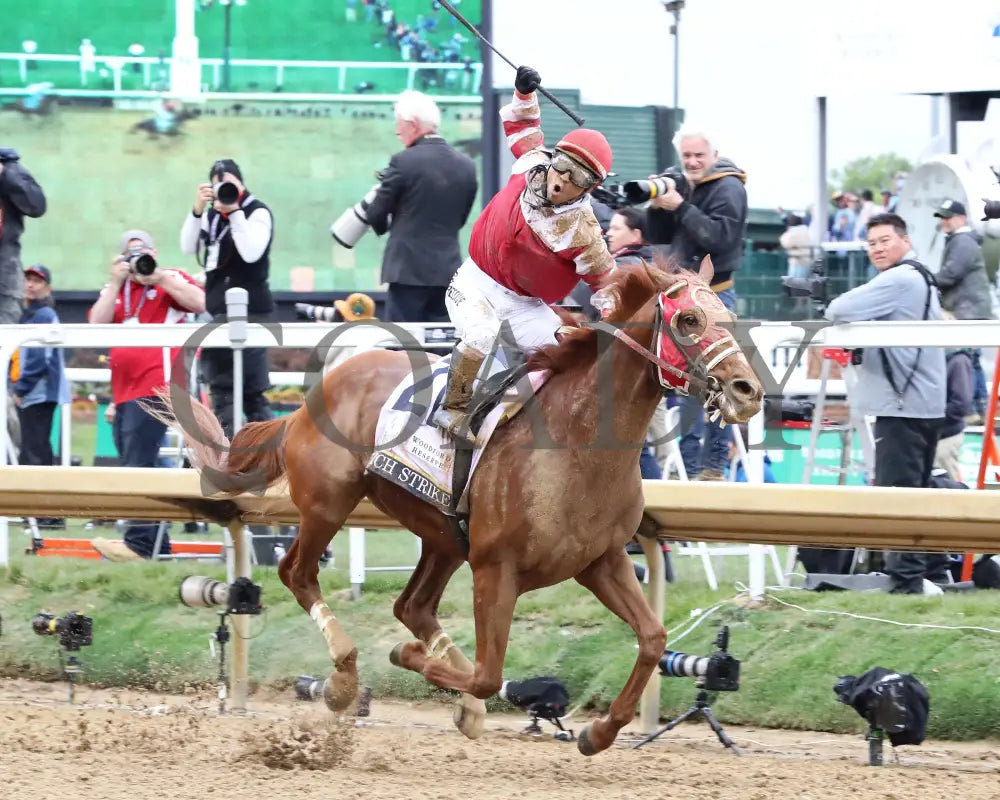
(478, 305)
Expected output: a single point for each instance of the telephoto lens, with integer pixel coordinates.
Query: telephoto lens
(308, 688)
(197, 591)
(227, 193)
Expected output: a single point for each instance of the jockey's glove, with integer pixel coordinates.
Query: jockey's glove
(527, 80)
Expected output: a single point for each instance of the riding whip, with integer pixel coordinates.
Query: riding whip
(475, 32)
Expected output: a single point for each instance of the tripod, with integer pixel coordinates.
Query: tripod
(702, 709)
(221, 636)
(73, 668)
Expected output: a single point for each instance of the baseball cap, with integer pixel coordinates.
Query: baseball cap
(950, 208)
(41, 271)
(142, 236)
(356, 306)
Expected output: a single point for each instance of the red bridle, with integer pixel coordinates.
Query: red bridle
(684, 362)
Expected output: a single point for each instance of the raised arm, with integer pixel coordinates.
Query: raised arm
(521, 117)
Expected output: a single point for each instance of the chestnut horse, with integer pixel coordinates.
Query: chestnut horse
(538, 516)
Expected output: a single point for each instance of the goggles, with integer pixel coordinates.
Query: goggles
(578, 175)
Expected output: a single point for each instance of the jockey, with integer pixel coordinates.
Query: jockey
(531, 245)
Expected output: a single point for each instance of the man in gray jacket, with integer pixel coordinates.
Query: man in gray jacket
(965, 286)
(904, 388)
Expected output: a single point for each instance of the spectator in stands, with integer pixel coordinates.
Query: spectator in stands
(129, 298)
(235, 238)
(38, 373)
(20, 197)
(958, 406)
(705, 229)
(423, 201)
(797, 245)
(902, 387)
(842, 222)
(964, 284)
(866, 211)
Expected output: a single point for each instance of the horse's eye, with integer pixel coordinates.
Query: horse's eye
(691, 319)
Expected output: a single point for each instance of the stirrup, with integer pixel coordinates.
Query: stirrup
(456, 422)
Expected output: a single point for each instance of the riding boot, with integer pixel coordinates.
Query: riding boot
(453, 415)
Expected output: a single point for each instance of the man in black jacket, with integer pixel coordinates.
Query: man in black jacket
(20, 197)
(705, 228)
(423, 201)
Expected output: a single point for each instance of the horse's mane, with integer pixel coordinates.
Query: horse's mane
(634, 285)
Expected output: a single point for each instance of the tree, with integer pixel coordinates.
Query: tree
(870, 172)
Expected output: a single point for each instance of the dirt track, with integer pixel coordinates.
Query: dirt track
(124, 744)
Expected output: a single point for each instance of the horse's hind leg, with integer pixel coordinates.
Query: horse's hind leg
(417, 609)
(612, 580)
(299, 571)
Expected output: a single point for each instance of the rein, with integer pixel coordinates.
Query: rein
(688, 380)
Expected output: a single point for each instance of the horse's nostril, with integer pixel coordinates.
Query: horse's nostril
(742, 389)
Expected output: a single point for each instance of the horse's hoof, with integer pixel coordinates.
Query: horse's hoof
(396, 655)
(339, 691)
(584, 745)
(470, 716)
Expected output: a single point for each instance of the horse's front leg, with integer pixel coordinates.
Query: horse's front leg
(417, 608)
(495, 593)
(612, 580)
(299, 571)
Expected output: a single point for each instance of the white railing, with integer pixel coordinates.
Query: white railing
(767, 336)
(339, 79)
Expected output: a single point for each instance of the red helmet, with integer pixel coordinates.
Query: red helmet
(590, 148)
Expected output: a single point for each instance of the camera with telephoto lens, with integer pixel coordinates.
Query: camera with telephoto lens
(991, 208)
(315, 313)
(139, 261)
(719, 672)
(226, 192)
(73, 629)
(242, 596)
(353, 223)
(641, 191)
(814, 287)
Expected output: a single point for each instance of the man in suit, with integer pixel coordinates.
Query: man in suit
(423, 201)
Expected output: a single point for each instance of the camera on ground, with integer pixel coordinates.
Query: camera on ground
(73, 629)
(242, 596)
(719, 672)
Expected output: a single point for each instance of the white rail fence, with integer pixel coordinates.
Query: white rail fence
(464, 79)
(773, 338)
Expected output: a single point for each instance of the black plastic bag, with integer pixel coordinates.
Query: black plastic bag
(545, 696)
(890, 701)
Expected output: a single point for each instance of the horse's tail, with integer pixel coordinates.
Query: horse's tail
(254, 460)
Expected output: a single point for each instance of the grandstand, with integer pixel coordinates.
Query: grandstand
(293, 30)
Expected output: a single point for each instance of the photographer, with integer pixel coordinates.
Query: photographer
(140, 292)
(423, 201)
(20, 197)
(234, 230)
(902, 387)
(703, 218)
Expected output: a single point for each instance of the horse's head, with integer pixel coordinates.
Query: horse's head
(687, 332)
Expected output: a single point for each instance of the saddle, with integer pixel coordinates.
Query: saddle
(415, 454)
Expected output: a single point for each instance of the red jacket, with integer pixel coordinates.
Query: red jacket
(536, 251)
